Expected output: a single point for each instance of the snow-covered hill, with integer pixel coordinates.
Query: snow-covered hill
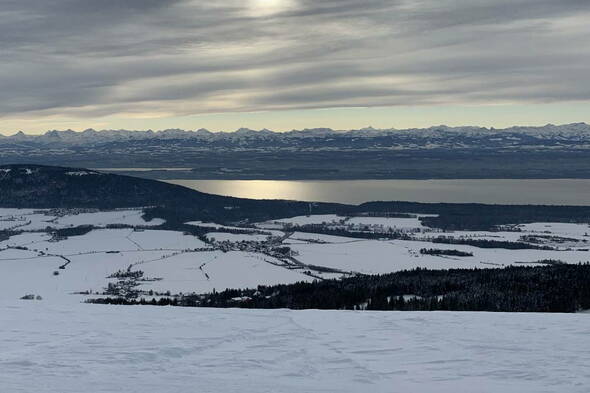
(89, 348)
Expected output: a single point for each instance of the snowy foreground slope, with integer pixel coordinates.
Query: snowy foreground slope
(90, 348)
(59, 345)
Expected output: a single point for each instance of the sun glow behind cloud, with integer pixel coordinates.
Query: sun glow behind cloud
(262, 8)
(286, 64)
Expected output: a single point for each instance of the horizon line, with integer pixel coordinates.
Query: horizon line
(369, 127)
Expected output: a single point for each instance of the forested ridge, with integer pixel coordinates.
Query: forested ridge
(554, 288)
(477, 216)
(37, 186)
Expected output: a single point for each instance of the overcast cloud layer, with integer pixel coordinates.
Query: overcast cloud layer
(174, 58)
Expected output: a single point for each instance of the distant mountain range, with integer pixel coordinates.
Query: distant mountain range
(438, 136)
(317, 154)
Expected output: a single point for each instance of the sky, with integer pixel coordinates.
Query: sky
(292, 64)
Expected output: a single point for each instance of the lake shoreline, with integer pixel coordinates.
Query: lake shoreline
(574, 192)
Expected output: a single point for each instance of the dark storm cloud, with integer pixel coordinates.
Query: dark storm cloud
(90, 58)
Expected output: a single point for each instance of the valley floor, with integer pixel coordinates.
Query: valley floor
(91, 348)
(35, 260)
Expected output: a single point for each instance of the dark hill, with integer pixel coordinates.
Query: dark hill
(37, 186)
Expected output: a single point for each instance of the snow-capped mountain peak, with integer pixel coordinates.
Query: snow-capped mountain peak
(577, 131)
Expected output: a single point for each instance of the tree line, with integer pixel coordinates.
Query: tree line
(553, 288)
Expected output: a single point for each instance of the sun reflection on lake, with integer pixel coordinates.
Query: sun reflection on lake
(501, 191)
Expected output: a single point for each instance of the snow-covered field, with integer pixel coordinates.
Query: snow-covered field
(167, 255)
(207, 271)
(234, 237)
(387, 222)
(36, 262)
(99, 349)
(60, 345)
(382, 223)
(28, 219)
(558, 228)
(306, 220)
(378, 257)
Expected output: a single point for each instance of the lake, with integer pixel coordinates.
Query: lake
(499, 191)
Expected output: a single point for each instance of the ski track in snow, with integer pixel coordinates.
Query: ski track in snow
(91, 348)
